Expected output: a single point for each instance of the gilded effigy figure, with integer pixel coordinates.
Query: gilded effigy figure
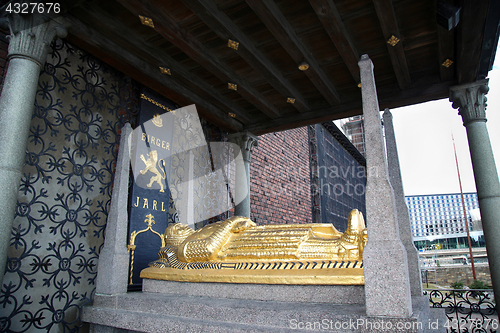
(239, 239)
(238, 251)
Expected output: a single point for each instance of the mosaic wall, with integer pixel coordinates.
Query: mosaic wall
(65, 192)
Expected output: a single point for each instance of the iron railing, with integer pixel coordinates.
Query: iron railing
(471, 310)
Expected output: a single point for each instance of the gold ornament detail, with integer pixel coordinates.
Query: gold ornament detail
(290, 100)
(131, 247)
(447, 63)
(303, 66)
(147, 21)
(238, 251)
(232, 86)
(393, 40)
(166, 71)
(233, 44)
(157, 121)
(232, 115)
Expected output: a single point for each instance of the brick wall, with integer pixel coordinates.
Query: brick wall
(280, 178)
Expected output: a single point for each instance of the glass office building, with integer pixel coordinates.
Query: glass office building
(438, 222)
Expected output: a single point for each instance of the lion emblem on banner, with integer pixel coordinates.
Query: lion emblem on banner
(152, 166)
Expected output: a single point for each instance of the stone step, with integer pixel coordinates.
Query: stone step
(154, 312)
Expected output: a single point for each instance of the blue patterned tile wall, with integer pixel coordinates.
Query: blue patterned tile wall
(64, 197)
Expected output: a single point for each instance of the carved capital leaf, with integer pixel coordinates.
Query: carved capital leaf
(470, 100)
(31, 35)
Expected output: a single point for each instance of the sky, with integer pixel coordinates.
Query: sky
(424, 139)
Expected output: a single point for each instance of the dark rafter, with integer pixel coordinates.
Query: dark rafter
(446, 51)
(415, 95)
(193, 30)
(273, 18)
(470, 34)
(129, 41)
(389, 25)
(226, 29)
(140, 69)
(330, 18)
(171, 31)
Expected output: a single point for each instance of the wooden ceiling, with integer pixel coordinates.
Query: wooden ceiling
(190, 38)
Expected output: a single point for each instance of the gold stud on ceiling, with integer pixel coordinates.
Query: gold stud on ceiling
(232, 86)
(393, 40)
(303, 66)
(232, 115)
(147, 21)
(164, 70)
(233, 44)
(359, 85)
(447, 63)
(290, 100)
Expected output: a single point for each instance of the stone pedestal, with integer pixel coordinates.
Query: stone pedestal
(401, 208)
(384, 258)
(246, 141)
(30, 38)
(471, 101)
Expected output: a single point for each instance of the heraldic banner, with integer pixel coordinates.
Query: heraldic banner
(149, 192)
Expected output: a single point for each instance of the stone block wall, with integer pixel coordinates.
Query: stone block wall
(280, 178)
(445, 276)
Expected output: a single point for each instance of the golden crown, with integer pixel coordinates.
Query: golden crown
(157, 120)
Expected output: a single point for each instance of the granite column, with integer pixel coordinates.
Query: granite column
(30, 38)
(387, 284)
(401, 207)
(470, 100)
(246, 142)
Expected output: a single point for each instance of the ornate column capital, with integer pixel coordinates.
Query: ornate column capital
(246, 141)
(31, 35)
(470, 100)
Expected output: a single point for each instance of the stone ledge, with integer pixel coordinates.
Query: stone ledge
(261, 292)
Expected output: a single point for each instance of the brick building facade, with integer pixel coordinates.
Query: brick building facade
(308, 174)
(280, 178)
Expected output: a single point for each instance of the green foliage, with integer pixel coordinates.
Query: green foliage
(478, 284)
(458, 286)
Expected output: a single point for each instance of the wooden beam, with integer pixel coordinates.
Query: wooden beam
(330, 18)
(129, 41)
(389, 25)
(470, 39)
(446, 51)
(413, 95)
(226, 29)
(181, 38)
(273, 18)
(139, 69)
